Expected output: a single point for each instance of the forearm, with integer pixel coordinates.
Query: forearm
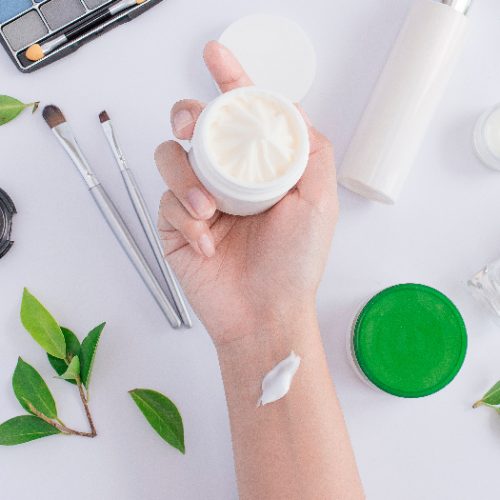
(297, 447)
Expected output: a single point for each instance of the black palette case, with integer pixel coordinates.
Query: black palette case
(36, 18)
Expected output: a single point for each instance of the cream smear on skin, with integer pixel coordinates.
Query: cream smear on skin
(278, 381)
(253, 139)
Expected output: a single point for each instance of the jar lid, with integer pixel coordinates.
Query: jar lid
(7, 210)
(276, 53)
(410, 340)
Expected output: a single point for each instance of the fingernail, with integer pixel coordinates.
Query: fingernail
(181, 120)
(206, 245)
(200, 203)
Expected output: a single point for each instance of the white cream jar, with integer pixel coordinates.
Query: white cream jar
(250, 147)
(487, 138)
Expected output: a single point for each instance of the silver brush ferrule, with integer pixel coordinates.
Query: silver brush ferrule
(462, 6)
(121, 6)
(115, 146)
(67, 139)
(53, 44)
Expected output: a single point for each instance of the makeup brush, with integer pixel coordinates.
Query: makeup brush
(56, 121)
(144, 217)
(37, 52)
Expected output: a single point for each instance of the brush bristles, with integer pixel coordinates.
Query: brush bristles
(104, 117)
(53, 116)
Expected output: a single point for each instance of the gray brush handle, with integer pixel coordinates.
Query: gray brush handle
(122, 234)
(151, 234)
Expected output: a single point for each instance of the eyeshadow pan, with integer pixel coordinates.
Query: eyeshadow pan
(25, 30)
(57, 13)
(92, 4)
(11, 8)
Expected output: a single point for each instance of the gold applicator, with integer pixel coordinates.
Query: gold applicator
(37, 51)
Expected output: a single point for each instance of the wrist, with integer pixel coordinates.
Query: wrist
(273, 335)
(246, 360)
(269, 324)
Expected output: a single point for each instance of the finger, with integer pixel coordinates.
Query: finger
(224, 67)
(174, 167)
(183, 117)
(195, 232)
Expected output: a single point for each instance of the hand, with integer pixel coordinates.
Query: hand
(240, 273)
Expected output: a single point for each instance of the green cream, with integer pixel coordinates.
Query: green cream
(409, 340)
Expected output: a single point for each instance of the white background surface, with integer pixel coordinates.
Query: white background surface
(445, 228)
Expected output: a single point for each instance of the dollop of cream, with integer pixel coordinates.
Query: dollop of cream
(278, 381)
(252, 138)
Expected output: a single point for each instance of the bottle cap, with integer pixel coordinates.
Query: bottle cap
(462, 6)
(7, 210)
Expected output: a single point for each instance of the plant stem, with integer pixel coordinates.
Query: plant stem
(84, 396)
(85, 402)
(60, 427)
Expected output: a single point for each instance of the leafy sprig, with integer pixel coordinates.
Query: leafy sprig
(72, 362)
(11, 108)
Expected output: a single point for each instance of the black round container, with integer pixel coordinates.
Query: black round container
(7, 210)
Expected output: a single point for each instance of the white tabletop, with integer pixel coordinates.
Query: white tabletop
(444, 228)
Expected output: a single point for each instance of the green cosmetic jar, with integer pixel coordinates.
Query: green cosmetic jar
(409, 341)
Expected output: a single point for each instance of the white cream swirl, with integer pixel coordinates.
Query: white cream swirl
(252, 138)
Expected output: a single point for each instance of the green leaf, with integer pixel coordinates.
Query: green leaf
(72, 349)
(42, 326)
(29, 387)
(73, 371)
(25, 428)
(162, 414)
(87, 353)
(10, 108)
(491, 398)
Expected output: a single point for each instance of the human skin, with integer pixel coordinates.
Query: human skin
(253, 282)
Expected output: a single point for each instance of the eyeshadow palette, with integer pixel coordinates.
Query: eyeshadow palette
(27, 23)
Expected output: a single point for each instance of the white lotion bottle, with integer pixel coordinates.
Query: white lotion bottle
(391, 130)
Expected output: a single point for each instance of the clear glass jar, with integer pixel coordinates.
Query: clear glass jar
(485, 286)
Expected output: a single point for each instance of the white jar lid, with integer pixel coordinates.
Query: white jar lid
(275, 52)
